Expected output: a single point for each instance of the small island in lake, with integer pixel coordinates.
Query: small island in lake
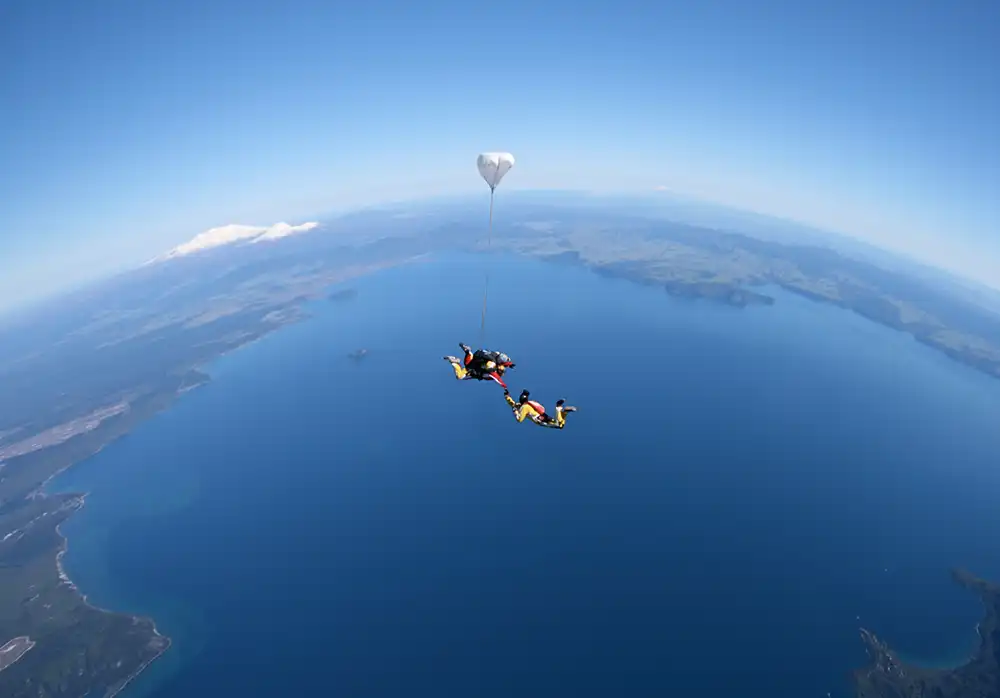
(343, 295)
(887, 676)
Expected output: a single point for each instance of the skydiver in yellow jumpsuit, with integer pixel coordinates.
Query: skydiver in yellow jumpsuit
(529, 409)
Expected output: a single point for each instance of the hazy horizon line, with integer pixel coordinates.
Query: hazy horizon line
(657, 194)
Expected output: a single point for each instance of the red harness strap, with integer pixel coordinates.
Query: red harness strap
(497, 379)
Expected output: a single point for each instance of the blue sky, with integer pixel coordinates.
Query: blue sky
(128, 127)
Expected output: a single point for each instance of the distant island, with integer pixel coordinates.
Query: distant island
(86, 369)
(887, 676)
(343, 295)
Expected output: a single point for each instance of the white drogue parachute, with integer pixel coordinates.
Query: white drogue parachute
(492, 168)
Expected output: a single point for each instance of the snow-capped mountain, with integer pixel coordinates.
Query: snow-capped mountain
(235, 233)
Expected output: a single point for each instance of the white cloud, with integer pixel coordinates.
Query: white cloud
(228, 234)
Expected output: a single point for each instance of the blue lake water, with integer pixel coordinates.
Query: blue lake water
(739, 492)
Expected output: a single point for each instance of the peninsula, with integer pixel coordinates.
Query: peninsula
(733, 268)
(887, 676)
(14, 650)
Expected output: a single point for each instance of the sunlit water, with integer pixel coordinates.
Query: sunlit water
(739, 492)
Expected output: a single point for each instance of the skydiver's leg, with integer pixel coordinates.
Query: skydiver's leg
(468, 353)
(550, 423)
(562, 410)
(456, 365)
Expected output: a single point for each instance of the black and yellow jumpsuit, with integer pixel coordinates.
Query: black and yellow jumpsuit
(525, 408)
(470, 368)
(476, 365)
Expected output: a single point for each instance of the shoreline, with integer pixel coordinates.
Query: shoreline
(954, 664)
(64, 578)
(965, 355)
(42, 492)
(887, 670)
(296, 312)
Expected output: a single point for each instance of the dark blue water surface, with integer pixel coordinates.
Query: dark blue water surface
(739, 492)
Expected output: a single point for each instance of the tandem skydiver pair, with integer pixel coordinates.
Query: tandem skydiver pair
(483, 364)
(480, 365)
(492, 365)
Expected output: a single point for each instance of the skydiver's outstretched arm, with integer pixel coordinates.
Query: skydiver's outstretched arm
(521, 411)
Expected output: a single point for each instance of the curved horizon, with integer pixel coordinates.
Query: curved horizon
(133, 127)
